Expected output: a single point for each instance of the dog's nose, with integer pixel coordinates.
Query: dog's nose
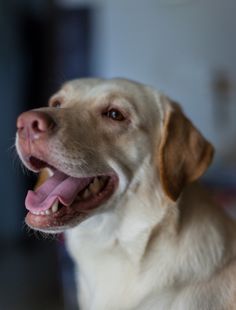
(34, 125)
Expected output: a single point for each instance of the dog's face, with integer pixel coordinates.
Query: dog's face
(93, 137)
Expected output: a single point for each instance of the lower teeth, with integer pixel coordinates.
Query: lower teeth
(54, 208)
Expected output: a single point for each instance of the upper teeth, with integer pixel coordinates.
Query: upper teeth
(95, 186)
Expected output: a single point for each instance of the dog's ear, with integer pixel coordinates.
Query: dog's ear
(184, 154)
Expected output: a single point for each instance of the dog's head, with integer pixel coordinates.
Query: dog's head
(94, 137)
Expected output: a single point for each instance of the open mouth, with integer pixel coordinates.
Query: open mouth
(63, 201)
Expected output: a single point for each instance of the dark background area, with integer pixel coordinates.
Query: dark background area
(186, 48)
(36, 56)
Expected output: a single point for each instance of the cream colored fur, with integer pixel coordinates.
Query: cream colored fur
(141, 250)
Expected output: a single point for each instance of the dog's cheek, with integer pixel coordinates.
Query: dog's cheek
(129, 152)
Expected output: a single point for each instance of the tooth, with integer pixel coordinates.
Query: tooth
(49, 171)
(41, 213)
(35, 212)
(86, 194)
(102, 181)
(95, 186)
(48, 212)
(55, 207)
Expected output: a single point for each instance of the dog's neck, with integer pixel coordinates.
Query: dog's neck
(122, 242)
(111, 246)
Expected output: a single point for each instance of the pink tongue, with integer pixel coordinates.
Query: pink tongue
(58, 187)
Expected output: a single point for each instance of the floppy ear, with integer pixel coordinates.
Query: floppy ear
(184, 154)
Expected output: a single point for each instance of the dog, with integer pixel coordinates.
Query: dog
(124, 162)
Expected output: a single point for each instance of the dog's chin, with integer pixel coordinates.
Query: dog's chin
(92, 193)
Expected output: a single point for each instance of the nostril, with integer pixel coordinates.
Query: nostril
(34, 124)
(42, 123)
(39, 125)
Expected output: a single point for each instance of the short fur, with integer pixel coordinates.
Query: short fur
(159, 242)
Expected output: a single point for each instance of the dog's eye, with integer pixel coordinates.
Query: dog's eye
(115, 115)
(56, 104)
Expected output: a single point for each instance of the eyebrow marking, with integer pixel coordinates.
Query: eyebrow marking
(121, 96)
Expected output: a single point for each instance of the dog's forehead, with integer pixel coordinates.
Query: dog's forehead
(92, 89)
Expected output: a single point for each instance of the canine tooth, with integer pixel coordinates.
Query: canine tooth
(55, 207)
(86, 194)
(95, 186)
(49, 171)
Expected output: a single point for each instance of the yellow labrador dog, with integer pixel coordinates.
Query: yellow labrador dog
(123, 160)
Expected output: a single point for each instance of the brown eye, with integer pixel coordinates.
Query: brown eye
(56, 104)
(115, 115)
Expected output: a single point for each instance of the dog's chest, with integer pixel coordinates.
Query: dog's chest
(107, 279)
(104, 276)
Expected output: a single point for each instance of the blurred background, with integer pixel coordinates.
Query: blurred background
(185, 48)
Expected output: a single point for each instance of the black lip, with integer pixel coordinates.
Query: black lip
(36, 163)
